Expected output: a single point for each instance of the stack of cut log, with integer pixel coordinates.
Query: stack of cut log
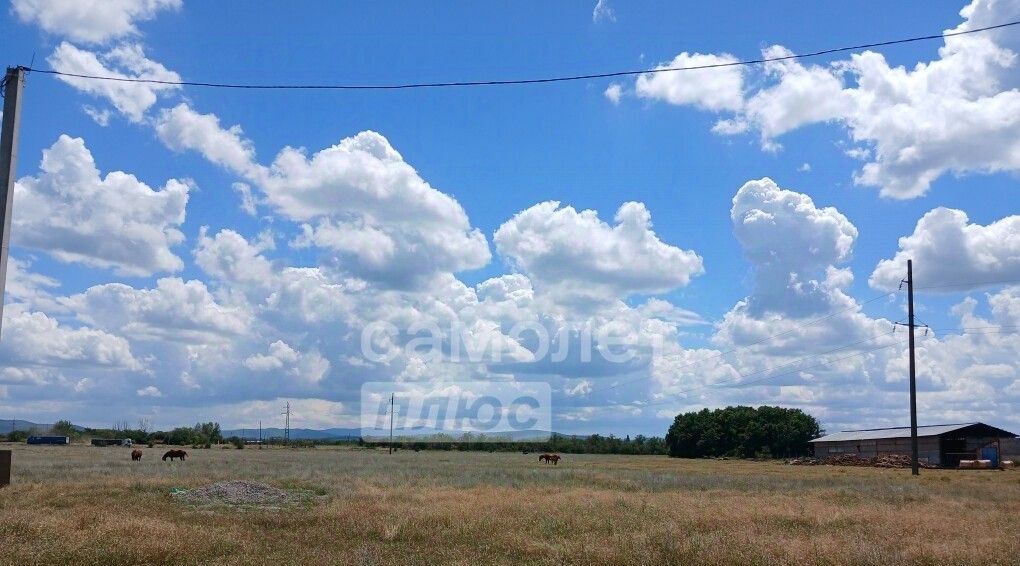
(885, 461)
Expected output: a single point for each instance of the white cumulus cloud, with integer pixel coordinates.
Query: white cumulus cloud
(71, 212)
(175, 310)
(959, 113)
(719, 88)
(791, 242)
(358, 199)
(126, 61)
(557, 246)
(90, 21)
(948, 249)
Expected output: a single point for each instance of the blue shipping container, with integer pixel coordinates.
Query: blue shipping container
(49, 440)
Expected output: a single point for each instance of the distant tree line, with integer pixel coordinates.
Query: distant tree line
(742, 432)
(739, 432)
(593, 444)
(198, 435)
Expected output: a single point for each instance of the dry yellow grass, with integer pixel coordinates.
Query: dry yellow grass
(84, 505)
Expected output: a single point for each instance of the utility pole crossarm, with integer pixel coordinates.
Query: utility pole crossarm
(13, 82)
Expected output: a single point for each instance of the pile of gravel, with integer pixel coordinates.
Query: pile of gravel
(237, 492)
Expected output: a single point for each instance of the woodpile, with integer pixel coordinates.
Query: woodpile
(884, 461)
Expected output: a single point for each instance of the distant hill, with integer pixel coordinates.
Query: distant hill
(355, 433)
(8, 425)
(516, 436)
(297, 433)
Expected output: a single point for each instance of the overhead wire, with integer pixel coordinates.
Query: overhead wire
(741, 379)
(966, 284)
(506, 82)
(800, 369)
(715, 385)
(760, 341)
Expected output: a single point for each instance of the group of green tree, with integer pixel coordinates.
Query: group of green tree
(742, 432)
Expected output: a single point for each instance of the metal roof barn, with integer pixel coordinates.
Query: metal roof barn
(942, 445)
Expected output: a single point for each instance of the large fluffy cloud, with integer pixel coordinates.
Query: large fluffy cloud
(126, 61)
(559, 247)
(959, 113)
(358, 199)
(799, 95)
(791, 243)
(73, 213)
(838, 363)
(951, 253)
(92, 21)
(175, 310)
(719, 88)
(35, 340)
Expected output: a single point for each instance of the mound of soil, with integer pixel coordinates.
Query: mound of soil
(237, 492)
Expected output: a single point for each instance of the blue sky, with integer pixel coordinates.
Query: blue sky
(498, 151)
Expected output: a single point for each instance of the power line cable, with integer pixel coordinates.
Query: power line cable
(968, 284)
(797, 370)
(811, 322)
(967, 328)
(767, 377)
(803, 359)
(738, 378)
(963, 332)
(505, 82)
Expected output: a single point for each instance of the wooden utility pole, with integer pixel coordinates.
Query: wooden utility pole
(913, 372)
(391, 423)
(13, 81)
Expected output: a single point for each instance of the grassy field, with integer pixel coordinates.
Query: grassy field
(85, 505)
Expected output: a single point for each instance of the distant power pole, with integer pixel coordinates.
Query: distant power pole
(913, 373)
(391, 423)
(286, 426)
(260, 435)
(11, 85)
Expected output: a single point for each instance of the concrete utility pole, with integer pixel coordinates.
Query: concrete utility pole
(913, 373)
(13, 81)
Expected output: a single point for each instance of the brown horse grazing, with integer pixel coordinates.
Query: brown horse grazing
(553, 459)
(175, 454)
(136, 455)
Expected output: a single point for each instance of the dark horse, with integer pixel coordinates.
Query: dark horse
(136, 455)
(175, 454)
(553, 459)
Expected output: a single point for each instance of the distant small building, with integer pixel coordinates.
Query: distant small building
(111, 442)
(49, 440)
(941, 445)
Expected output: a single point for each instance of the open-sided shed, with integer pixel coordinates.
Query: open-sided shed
(942, 445)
